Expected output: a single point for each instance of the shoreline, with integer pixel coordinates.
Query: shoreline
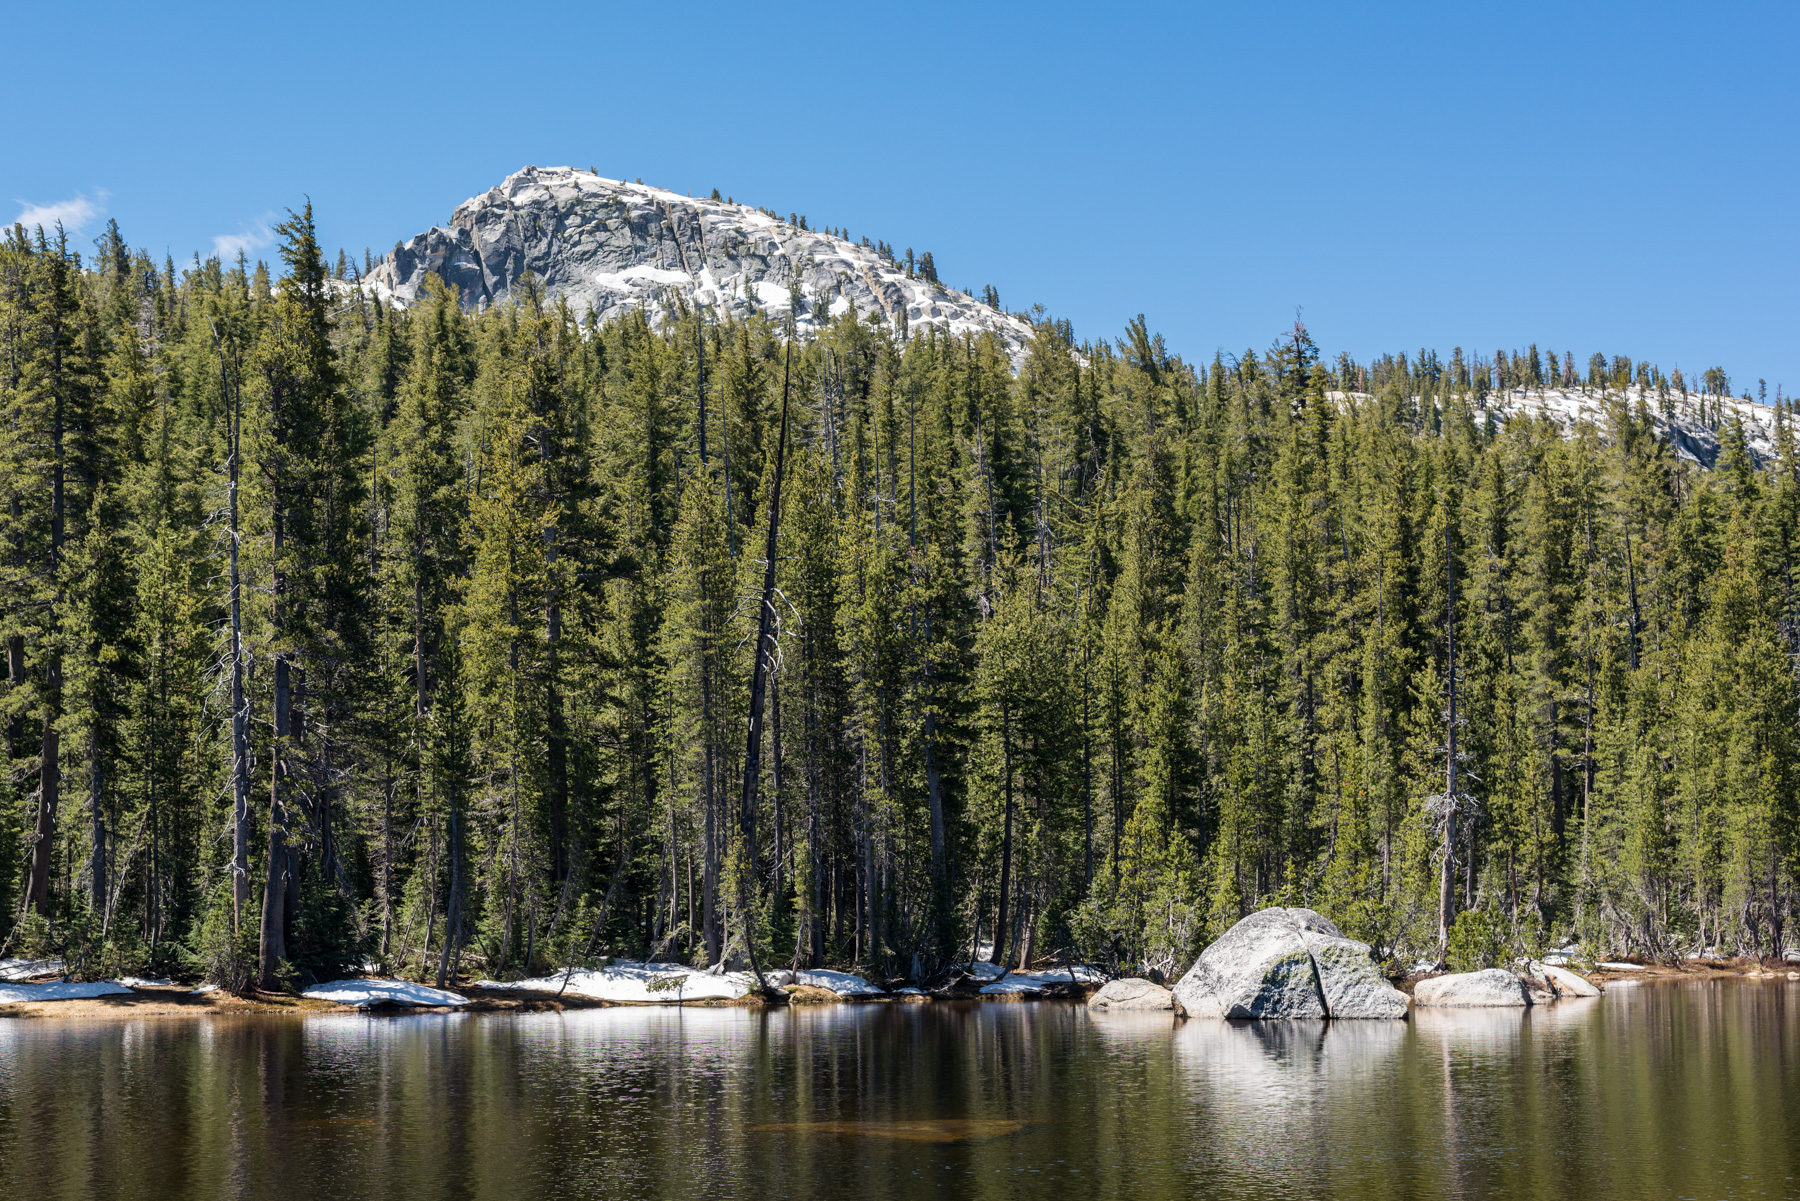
(160, 1001)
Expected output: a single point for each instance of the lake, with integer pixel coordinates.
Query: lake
(1678, 1089)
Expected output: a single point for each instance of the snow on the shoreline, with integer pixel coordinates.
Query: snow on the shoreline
(1621, 967)
(1036, 982)
(1074, 973)
(842, 983)
(60, 990)
(25, 969)
(648, 983)
(366, 993)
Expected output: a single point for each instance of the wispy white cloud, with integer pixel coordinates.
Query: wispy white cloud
(75, 213)
(251, 237)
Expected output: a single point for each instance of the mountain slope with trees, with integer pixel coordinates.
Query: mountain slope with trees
(338, 631)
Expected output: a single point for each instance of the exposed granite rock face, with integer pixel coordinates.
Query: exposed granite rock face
(1287, 963)
(1132, 994)
(610, 246)
(1352, 980)
(1257, 969)
(1487, 988)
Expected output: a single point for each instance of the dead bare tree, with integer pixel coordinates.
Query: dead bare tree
(759, 675)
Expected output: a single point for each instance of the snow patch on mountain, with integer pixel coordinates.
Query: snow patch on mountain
(609, 246)
(1692, 424)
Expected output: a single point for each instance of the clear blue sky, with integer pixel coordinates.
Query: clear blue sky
(1613, 177)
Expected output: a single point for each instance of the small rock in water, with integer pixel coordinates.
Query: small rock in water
(1132, 994)
(1490, 988)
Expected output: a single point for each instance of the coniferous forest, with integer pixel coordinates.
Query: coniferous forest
(480, 645)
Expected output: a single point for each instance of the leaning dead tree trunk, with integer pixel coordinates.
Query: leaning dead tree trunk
(759, 677)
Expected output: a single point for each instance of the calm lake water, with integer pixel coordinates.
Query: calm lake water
(1657, 1090)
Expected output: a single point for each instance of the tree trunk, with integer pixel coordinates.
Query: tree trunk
(1001, 930)
(387, 865)
(453, 909)
(44, 834)
(97, 865)
(709, 866)
(240, 736)
(1446, 882)
(775, 783)
(49, 764)
(759, 675)
(273, 944)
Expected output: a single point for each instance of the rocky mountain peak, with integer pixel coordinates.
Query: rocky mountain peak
(609, 246)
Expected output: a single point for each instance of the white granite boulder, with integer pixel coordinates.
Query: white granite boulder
(1131, 994)
(1489, 988)
(1287, 963)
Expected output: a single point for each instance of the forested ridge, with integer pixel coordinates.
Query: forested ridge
(340, 633)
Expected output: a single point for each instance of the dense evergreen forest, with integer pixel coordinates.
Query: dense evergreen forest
(477, 645)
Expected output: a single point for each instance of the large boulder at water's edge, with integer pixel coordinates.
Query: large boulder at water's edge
(1132, 994)
(1491, 987)
(1560, 981)
(1287, 963)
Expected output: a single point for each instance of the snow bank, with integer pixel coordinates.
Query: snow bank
(11, 994)
(25, 969)
(1036, 982)
(645, 983)
(842, 983)
(144, 982)
(366, 993)
(1077, 973)
(1621, 967)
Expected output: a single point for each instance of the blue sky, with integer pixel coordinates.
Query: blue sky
(1612, 177)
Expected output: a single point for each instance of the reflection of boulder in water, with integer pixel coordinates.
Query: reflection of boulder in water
(1128, 1027)
(1497, 1030)
(1265, 1096)
(1287, 963)
(1284, 1056)
(1483, 1030)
